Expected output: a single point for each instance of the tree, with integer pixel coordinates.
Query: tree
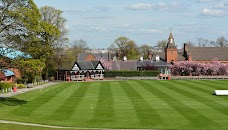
(125, 47)
(161, 45)
(106, 63)
(57, 42)
(30, 69)
(132, 50)
(190, 44)
(221, 42)
(143, 50)
(204, 42)
(186, 68)
(54, 16)
(17, 18)
(31, 33)
(70, 54)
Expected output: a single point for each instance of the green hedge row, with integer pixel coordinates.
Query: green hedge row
(20, 86)
(131, 73)
(4, 85)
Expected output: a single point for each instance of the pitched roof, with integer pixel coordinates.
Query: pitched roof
(82, 56)
(160, 54)
(87, 65)
(208, 53)
(153, 62)
(180, 57)
(124, 65)
(170, 36)
(7, 72)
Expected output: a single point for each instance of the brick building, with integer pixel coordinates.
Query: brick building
(162, 60)
(198, 54)
(206, 54)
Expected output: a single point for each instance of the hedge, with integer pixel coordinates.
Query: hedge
(20, 86)
(4, 85)
(131, 73)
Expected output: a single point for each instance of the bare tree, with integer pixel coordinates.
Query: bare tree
(190, 44)
(221, 42)
(204, 42)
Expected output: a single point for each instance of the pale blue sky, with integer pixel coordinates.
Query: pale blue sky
(100, 22)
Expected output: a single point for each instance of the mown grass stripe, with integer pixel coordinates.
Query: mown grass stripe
(104, 110)
(65, 111)
(183, 109)
(147, 116)
(224, 82)
(125, 115)
(211, 84)
(210, 103)
(206, 88)
(47, 109)
(32, 105)
(195, 87)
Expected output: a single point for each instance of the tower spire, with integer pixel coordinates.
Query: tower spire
(170, 43)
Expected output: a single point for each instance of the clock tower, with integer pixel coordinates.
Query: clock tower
(170, 50)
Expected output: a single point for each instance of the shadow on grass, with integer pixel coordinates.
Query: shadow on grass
(12, 101)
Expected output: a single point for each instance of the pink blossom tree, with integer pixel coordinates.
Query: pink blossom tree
(107, 64)
(186, 68)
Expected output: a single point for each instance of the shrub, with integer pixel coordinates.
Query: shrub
(4, 85)
(131, 73)
(21, 81)
(19, 86)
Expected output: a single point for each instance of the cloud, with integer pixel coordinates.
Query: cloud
(100, 29)
(140, 6)
(103, 8)
(153, 31)
(99, 17)
(222, 6)
(76, 10)
(146, 6)
(208, 12)
(205, 0)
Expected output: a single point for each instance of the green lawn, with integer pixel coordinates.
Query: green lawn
(156, 104)
(23, 127)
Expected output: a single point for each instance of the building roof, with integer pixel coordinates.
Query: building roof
(124, 65)
(180, 57)
(208, 53)
(153, 62)
(87, 65)
(162, 56)
(7, 72)
(170, 36)
(107, 56)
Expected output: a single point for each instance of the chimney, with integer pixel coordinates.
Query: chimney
(189, 57)
(149, 55)
(157, 58)
(125, 58)
(141, 58)
(186, 47)
(185, 51)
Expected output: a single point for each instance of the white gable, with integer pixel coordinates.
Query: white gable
(75, 67)
(99, 67)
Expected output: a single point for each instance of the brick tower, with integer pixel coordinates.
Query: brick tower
(171, 50)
